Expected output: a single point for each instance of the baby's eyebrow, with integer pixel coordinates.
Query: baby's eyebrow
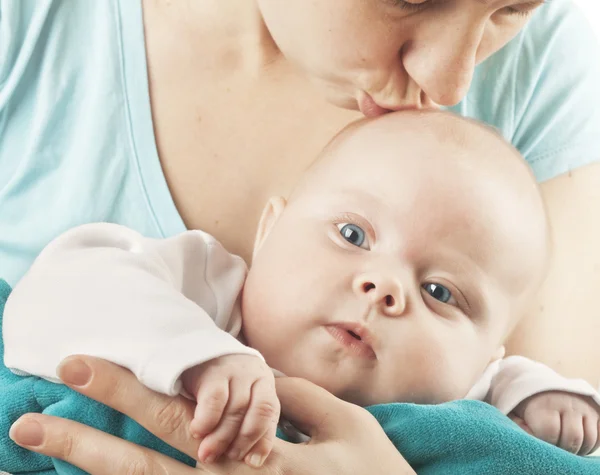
(354, 193)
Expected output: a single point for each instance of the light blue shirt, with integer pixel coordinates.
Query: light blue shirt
(76, 135)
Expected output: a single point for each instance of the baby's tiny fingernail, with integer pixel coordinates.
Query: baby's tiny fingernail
(255, 460)
(234, 454)
(210, 459)
(29, 433)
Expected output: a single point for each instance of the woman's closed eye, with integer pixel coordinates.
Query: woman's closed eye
(354, 234)
(522, 9)
(414, 5)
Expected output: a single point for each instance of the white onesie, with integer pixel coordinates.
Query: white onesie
(159, 307)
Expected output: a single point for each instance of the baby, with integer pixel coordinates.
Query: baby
(393, 273)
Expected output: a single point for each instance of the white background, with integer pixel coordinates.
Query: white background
(592, 10)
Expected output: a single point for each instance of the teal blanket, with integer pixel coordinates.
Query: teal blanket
(462, 437)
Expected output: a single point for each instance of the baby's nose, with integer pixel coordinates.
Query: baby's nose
(386, 293)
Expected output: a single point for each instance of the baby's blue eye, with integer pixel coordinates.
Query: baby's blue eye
(438, 292)
(353, 234)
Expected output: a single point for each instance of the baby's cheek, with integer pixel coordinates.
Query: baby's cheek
(255, 321)
(459, 377)
(456, 364)
(438, 377)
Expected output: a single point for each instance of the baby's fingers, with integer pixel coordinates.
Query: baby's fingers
(590, 439)
(218, 441)
(258, 454)
(597, 446)
(91, 450)
(545, 425)
(520, 422)
(571, 432)
(260, 424)
(211, 401)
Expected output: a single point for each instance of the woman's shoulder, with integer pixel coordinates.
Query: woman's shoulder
(37, 28)
(51, 56)
(541, 90)
(76, 125)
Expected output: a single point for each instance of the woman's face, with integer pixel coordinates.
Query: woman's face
(393, 54)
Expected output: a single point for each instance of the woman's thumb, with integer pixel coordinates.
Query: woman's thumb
(314, 411)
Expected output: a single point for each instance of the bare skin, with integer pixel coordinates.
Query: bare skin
(252, 129)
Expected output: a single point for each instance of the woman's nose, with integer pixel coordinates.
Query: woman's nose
(384, 293)
(441, 57)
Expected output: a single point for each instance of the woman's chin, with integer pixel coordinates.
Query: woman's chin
(335, 96)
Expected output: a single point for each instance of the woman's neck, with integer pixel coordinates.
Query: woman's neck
(231, 31)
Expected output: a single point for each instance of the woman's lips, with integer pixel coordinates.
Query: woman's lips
(355, 339)
(370, 108)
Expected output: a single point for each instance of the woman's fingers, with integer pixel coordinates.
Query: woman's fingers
(166, 417)
(345, 438)
(86, 448)
(359, 440)
(315, 411)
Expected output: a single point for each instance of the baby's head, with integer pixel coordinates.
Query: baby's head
(401, 261)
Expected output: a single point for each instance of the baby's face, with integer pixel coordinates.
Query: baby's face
(398, 266)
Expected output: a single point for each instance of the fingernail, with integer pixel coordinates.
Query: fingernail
(210, 459)
(28, 432)
(74, 372)
(234, 454)
(255, 460)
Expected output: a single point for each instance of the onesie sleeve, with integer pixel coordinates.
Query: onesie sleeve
(510, 381)
(156, 307)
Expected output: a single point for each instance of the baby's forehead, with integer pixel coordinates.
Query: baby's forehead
(416, 142)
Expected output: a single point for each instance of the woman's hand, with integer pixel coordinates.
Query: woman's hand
(345, 439)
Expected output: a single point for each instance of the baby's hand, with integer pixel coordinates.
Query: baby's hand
(568, 421)
(237, 408)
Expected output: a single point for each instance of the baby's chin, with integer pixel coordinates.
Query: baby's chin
(356, 392)
(412, 397)
(426, 392)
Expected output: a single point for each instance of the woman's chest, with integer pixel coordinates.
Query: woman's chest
(226, 147)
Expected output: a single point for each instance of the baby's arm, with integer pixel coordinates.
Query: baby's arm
(564, 412)
(161, 308)
(146, 304)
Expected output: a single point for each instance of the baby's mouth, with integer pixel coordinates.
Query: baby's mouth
(356, 338)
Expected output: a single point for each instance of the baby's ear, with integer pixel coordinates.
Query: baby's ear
(500, 352)
(271, 213)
